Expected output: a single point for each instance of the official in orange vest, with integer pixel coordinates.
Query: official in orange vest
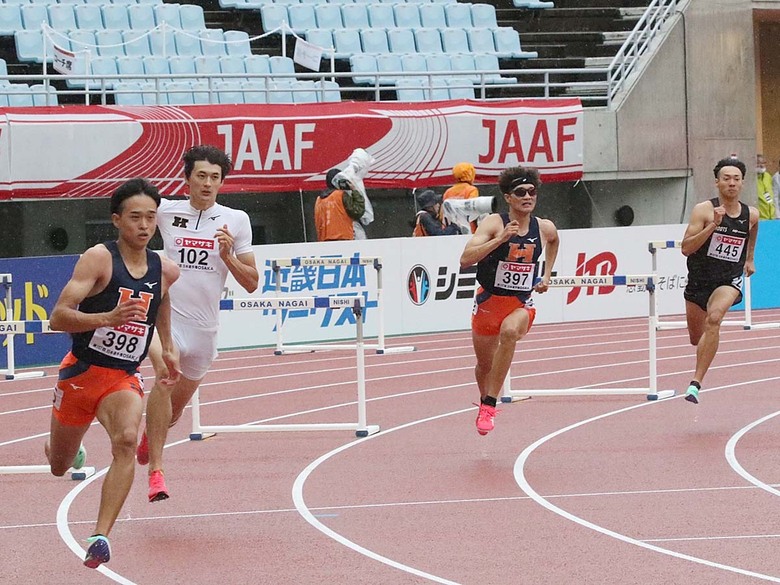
(464, 174)
(428, 218)
(335, 210)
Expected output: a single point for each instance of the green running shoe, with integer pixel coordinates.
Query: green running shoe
(692, 394)
(80, 459)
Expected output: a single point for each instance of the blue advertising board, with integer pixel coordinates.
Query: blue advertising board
(37, 283)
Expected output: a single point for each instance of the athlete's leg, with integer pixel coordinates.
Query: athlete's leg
(720, 301)
(120, 414)
(484, 349)
(63, 444)
(695, 317)
(513, 328)
(164, 408)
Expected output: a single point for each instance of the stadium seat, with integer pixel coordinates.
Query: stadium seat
(354, 16)
(304, 92)
(168, 14)
(156, 65)
(136, 43)
(389, 66)
(255, 92)
(438, 62)
(20, 96)
(436, 89)
(183, 65)
(273, 15)
(328, 16)
(301, 17)
(212, 42)
(401, 40)
(410, 90)
(128, 93)
(381, 16)
(192, 17)
(489, 62)
(460, 88)
(483, 15)
(179, 92)
(481, 40)
(407, 16)
(328, 91)
(458, 15)
(279, 92)
(186, 42)
(115, 16)
(320, 37)
(413, 63)
(130, 66)
(346, 42)
(229, 92)
(361, 65)
(508, 44)
(88, 16)
(374, 40)
(141, 16)
(281, 65)
(109, 43)
(237, 43)
(454, 40)
(428, 40)
(432, 15)
(532, 4)
(162, 42)
(33, 15)
(463, 65)
(104, 67)
(207, 65)
(10, 19)
(61, 17)
(3, 98)
(29, 46)
(84, 40)
(232, 64)
(257, 64)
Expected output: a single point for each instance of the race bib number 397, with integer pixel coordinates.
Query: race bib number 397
(728, 248)
(515, 276)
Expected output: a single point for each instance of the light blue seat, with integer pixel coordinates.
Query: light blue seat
(272, 16)
(43, 96)
(109, 43)
(320, 37)
(458, 15)
(463, 66)
(381, 16)
(455, 40)
(88, 16)
(20, 96)
(401, 40)
(130, 66)
(106, 70)
(301, 17)
(179, 92)
(436, 89)
(346, 41)
(362, 66)
(84, 40)
(33, 15)
(484, 15)
(156, 65)
(407, 16)
(328, 91)
(167, 13)
(257, 65)
(389, 66)
(115, 16)
(508, 44)
(186, 42)
(374, 40)
(489, 62)
(237, 43)
(29, 46)
(279, 92)
(532, 4)
(438, 62)
(141, 16)
(128, 93)
(432, 15)
(354, 16)
(281, 65)
(207, 65)
(183, 65)
(10, 19)
(428, 40)
(410, 90)
(232, 64)
(192, 17)
(304, 92)
(61, 17)
(3, 96)
(201, 93)
(460, 88)
(481, 40)
(162, 42)
(212, 42)
(328, 16)
(136, 43)
(255, 92)
(414, 63)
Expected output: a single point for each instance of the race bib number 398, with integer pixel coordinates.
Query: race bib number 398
(728, 248)
(126, 342)
(515, 276)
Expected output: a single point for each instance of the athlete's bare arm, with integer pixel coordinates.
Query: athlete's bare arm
(168, 372)
(551, 242)
(90, 276)
(750, 265)
(704, 220)
(241, 266)
(490, 234)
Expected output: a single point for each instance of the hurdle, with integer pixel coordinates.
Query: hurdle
(75, 474)
(746, 323)
(361, 428)
(651, 392)
(11, 328)
(278, 263)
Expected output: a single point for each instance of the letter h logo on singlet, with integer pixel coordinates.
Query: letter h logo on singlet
(521, 252)
(126, 294)
(180, 222)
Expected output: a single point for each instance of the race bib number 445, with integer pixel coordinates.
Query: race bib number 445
(515, 276)
(726, 248)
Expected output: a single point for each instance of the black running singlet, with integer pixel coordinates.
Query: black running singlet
(722, 256)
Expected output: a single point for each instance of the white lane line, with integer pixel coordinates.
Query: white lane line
(731, 456)
(519, 471)
(305, 512)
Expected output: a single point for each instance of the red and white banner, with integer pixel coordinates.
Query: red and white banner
(90, 150)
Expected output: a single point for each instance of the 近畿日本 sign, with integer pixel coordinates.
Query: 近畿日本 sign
(87, 151)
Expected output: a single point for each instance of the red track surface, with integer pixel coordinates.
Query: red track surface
(617, 489)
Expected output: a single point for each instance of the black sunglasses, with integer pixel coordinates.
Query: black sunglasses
(522, 192)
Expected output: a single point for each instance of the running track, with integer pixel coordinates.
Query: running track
(566, 490)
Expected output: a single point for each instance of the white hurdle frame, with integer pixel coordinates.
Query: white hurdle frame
(278, 263)
(651, 392)
(12, 328)
(746, 323)
(75, 474)
(361, 427)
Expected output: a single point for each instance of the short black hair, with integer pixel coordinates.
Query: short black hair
(137, 186)
(210, 154)
(730, 162)
(514, 176)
